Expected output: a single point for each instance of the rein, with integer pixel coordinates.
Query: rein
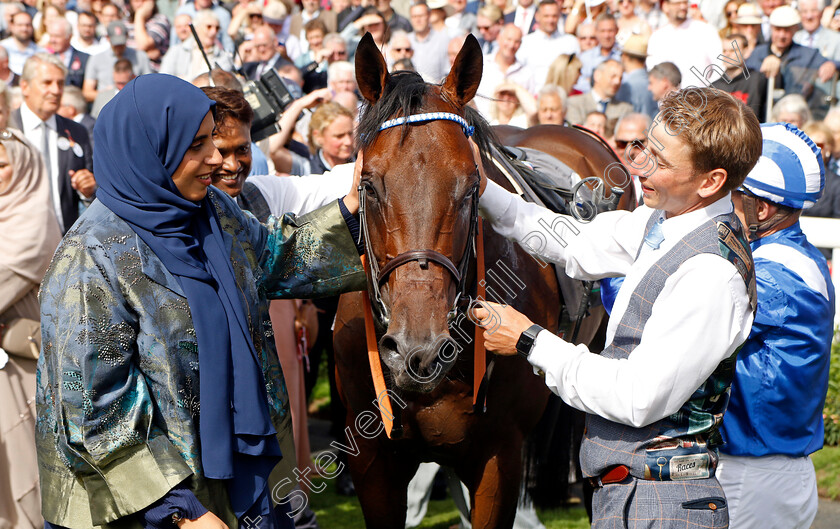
(378, 277)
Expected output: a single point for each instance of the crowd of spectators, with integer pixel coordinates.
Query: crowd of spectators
(602, 64)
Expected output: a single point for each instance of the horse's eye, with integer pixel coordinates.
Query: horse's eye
(370, 191)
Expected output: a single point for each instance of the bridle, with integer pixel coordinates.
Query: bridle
(378, 277)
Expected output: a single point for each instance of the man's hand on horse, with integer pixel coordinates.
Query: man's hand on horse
(482, 185)
(351, 200)
(502, 326)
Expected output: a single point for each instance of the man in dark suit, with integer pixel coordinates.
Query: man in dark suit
(523, 16)
(60, 32)
(268, 53)
(606, 82)
(64, 144)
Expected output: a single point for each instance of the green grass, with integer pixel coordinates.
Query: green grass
(827, 465)
(340, 512)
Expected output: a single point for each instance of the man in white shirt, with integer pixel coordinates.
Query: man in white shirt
(540, 48)
(20, 45)
(429, 45)
(523, 16)
(655, 396)
(690, 44)
(85, 39)
(503, 66)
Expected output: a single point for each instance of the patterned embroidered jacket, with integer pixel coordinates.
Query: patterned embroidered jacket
(118, 393)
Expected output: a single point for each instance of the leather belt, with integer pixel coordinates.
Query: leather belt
(616, 474)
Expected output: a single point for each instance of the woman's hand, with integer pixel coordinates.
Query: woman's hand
(351, 201)
(206, 521)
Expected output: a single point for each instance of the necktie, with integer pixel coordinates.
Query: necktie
(603, 106)
(655, 237)
(45, 146)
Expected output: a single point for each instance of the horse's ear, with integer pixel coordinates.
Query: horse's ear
(462, 82)
(371, 70)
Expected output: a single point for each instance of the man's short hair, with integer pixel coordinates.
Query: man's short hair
(605, 16)
(338, 67)
(32, 63)
(792, 104)
(552, 90)
(73, 96)
(64, 23)
(12, 19)
(742, 39)
(315, 24)
(122, 66)
(205, 15)
(719, 131)
(86, 14)
(230, 105)
(221, 78)
(547, 3)
(668, 71)
(642, 119)
(333, 37)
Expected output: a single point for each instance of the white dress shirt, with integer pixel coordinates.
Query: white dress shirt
(700, 317)
(33, 130)
(539, 49)
(523, 17)
(493, 76)
(302, 194)
(691, 44)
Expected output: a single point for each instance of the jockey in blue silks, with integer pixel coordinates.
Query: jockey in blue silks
(774, 419)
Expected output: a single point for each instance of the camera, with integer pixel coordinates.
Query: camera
(269, 98)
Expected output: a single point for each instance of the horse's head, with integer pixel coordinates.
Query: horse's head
(419, 197)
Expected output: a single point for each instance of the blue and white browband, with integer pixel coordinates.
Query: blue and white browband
(431, 116)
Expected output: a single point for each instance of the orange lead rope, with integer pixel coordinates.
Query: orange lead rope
(480, 361)
(384, 401)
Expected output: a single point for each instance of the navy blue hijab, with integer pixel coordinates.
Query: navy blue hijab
(141, 137)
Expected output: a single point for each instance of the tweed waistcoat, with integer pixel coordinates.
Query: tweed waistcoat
(682, 445)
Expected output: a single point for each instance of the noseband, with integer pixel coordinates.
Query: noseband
(423, 257)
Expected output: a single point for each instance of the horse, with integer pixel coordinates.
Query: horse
(419, 195)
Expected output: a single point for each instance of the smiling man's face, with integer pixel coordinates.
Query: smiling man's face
(233, 139)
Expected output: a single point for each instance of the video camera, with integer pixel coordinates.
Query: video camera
(269, 98)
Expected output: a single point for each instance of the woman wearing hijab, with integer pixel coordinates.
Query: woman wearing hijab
(160, 396)
(29, 234)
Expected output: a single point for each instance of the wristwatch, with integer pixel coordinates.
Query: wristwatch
(526, 341)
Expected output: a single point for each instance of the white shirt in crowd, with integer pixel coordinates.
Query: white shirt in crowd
(33, 130)
(691, 44)
(493, 76)
(701, 316)
(539, 49)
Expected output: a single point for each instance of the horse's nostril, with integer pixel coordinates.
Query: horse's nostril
(388, 344)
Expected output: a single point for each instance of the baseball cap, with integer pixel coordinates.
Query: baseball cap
(790, 171)
(117, 33)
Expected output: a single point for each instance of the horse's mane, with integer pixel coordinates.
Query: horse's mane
(404, 95)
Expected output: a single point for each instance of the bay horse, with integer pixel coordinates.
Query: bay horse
(419, 196)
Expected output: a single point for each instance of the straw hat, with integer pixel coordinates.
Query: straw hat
(785, 17)
(748, 14)
(635, 46)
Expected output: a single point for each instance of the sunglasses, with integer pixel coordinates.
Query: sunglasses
(622, 144)
(401, 49)
(484, 28)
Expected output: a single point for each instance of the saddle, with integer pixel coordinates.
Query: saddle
(543, 179)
